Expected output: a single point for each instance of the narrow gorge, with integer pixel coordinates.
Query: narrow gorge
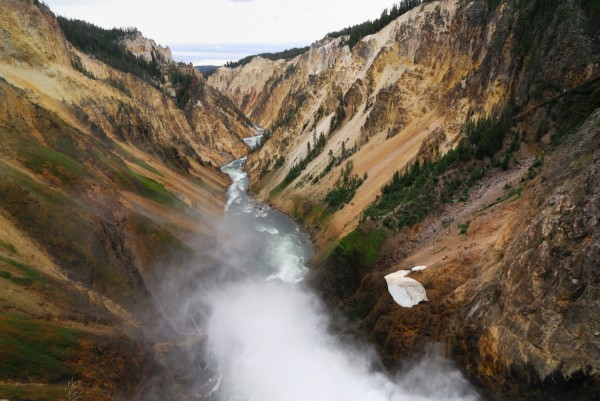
(462, 136)
(267, 335)
(417, 220)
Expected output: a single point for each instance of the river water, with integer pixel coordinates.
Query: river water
(272, 241)
(267, 334)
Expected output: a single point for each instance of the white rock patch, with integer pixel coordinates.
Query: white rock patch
(400, 273)
(406, 291)
(418, 268)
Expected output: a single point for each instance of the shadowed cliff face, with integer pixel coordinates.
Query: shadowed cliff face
(515, 299)
(512, 283)
(106, 182)
(539, 316)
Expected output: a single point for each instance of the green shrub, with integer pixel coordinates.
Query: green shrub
(119, 84)
(343, 269)
(29, 272)
(339, 116)
(342, 192)
(312, 152)
(188, 87)
(33, 392)
(148, 188)
(279, 162)
(40, 159)
(8, 246)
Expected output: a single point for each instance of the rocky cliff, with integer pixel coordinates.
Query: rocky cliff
(141, 46)
(107, 184)
(41, 60)
(514, 296)
(462, 137)
(419, 78)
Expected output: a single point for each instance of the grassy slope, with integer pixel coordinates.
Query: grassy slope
(101, 190)
(64, 189)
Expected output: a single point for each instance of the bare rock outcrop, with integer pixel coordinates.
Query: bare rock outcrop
(514, 300)
(105, 177)
(146, 48)
(537, 320)
(428, 71)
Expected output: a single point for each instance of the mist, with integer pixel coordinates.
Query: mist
(270, 341)
(257, 333)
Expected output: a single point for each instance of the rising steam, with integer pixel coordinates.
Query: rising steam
(269, 341)
(265, 336)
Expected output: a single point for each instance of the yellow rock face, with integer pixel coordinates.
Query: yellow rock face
(398, 88)
(104, 190)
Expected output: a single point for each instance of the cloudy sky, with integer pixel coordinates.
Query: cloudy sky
(216, 31)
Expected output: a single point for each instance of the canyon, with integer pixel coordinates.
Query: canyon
(464, 136)
(107, 189)
(506, 274)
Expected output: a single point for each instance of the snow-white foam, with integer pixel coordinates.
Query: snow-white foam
(261, 212)
(271, 342)
(254, 141)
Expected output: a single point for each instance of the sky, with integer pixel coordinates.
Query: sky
(211, 32)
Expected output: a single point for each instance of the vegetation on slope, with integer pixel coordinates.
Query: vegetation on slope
(34, 350)
(427, 185)
(342, 192)
(344, 189)
(534, 17)
(311, 154)
(57, 210)
(21, 273)
(591, 10)
(187, 86)
(355, 252)
(335, 161)
(74, 193)
(488, 145)
(105, 45)
(282, 55)
(356, 32)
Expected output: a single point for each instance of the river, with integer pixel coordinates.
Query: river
(267, 334)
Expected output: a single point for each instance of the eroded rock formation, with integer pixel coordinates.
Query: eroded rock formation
(513, 278)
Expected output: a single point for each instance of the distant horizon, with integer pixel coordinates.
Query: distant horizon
(213, 32)
(217, 55)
